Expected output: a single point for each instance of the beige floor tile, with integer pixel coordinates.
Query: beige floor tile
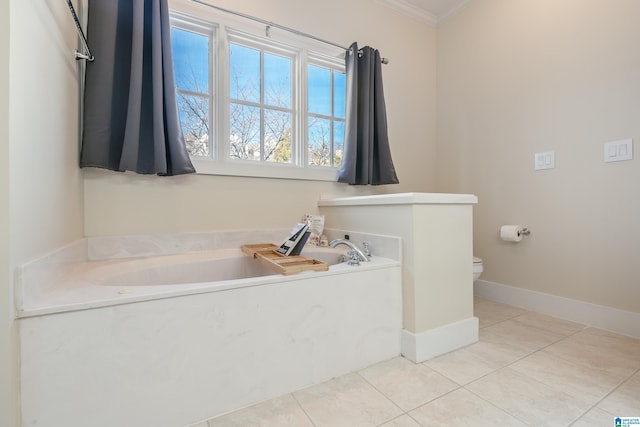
(402, 421)
(347, 401)
(283, 411)
(528, 400)
(463, 408)
(201, 424)
(578, 380)
(506, 342)
(549, 324)
(528, 338)
(595, 418)
(618, 345)
(625, 400)
(461, 366)
(598, 350)
(495, 351)
(489, 312)
(407, 384)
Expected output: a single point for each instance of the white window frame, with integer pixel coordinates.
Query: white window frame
(304, 52)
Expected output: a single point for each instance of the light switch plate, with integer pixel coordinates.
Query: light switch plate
(616, 151)
(545, 160)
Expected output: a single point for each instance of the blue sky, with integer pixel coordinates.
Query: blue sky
(191, 60)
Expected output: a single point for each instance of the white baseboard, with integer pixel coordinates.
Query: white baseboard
(432, 343)
(598, 316)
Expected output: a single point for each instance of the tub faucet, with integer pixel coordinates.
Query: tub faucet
(361, 256)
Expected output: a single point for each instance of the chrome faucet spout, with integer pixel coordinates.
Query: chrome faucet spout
(361, 256)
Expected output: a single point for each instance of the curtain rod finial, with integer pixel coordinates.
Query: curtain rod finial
(79, 55)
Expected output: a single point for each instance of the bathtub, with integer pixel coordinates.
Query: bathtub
(175, 337)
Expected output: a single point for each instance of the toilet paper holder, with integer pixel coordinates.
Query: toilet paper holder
(513, 233)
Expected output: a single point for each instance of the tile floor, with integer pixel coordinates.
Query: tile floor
(527, 370)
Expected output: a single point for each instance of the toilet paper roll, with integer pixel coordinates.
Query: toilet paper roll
(511, 233)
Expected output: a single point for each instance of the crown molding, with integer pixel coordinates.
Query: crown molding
(453, 11)
(408, 9)
(420, 14)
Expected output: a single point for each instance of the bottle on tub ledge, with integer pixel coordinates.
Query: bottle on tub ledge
(316, 227)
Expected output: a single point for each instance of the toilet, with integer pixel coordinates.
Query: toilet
(477, 268)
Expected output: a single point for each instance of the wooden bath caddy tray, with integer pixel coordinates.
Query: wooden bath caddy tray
(268, 255)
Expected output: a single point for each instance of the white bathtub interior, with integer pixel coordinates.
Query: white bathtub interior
(102, 347)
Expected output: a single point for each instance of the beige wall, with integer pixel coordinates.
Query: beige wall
(40, 184)
(436, 287)
(129, 204)
(517, 77)
(46, 198)
(7, 393)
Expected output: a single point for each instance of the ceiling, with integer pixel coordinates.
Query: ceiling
(429, 11)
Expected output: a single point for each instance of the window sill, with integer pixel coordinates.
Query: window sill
(210, 167)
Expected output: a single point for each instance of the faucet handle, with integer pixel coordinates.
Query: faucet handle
(353, 257)
(366, 249)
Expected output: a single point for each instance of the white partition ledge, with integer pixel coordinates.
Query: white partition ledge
(400, 199)
(437, 257)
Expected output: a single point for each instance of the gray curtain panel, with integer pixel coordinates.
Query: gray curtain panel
(131, 118)
(367, 157)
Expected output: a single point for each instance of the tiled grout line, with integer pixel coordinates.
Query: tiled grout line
(505, 366)
(495, 406)
(610, 393)
(604, 397)
(389, 399)
(302, 408)
(516, 361)
(460, 386)
(560, 356)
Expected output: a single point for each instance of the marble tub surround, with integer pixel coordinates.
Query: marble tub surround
(93, 272)
(212, 351)
(44, 274)
(115, 247)
(111, 247)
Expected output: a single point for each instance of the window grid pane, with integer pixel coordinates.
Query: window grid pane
(338, 143)
(319, 90)
(261, 115)
(191, 50)
(277, 136)
(244, 73)
(194, 121)
(190, 60)
(244, 138)
(277, 80)
(319, 145)
(326, 110)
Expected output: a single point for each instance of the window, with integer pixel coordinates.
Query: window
(250, 105)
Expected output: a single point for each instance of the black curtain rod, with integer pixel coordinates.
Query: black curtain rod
(274, 25)
(79, 55)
